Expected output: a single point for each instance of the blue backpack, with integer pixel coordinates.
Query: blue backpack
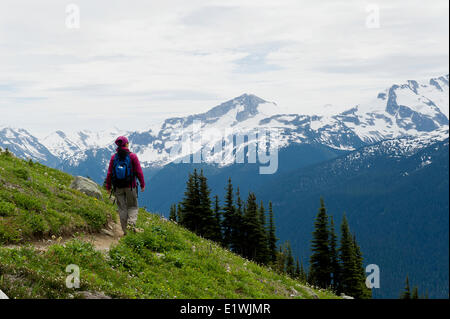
(122, 175)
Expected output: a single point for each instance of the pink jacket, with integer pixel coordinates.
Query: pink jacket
(137, 170)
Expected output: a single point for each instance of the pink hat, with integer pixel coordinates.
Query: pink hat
(121, 141)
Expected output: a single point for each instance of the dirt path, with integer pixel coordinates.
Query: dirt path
(102, 241)
(106, 237)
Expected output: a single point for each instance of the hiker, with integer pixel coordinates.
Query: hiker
(124, 167)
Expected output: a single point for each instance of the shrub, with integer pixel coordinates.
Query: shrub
(22, 173)
(27, 202)
(56, 220)
(41, 188)
(7, 209)
(4, 195)
(35, 222)
(77, 252)
(64, 196)
(8, 233)
(127, 259)
(94, 215)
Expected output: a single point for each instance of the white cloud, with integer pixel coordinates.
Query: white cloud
(149, 59)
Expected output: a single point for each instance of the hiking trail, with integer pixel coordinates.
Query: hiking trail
(102, 241)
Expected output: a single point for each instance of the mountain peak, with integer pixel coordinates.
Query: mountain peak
(246, 106)
(249, 99)
(229, 113)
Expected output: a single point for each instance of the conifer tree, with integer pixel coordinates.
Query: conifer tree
(303, 275)
(407, 292)
(217, 230)
(349, 277)
(178, 212)
(363, 291)
(239, 201)
(297, 269)
(334, 258)
(263, 251)
(237, 239)
(191, 204)
(254, 235)
(262, 215)
(272, 240)
(290, 268)
(173, 213)
(320, 258)
(207, 226)
(415, 293)
(228, 216)
(352, 275)
(281, 261)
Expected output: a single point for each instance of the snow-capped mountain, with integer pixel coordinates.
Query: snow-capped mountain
(398, 149)
(410, 109)
(72, 147)
(24, 145)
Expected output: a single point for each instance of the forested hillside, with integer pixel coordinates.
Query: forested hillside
(398, 207)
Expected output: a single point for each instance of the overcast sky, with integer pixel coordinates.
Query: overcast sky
(133, 62)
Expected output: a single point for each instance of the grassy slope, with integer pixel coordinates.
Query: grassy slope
(36, 201)
(165, 261)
